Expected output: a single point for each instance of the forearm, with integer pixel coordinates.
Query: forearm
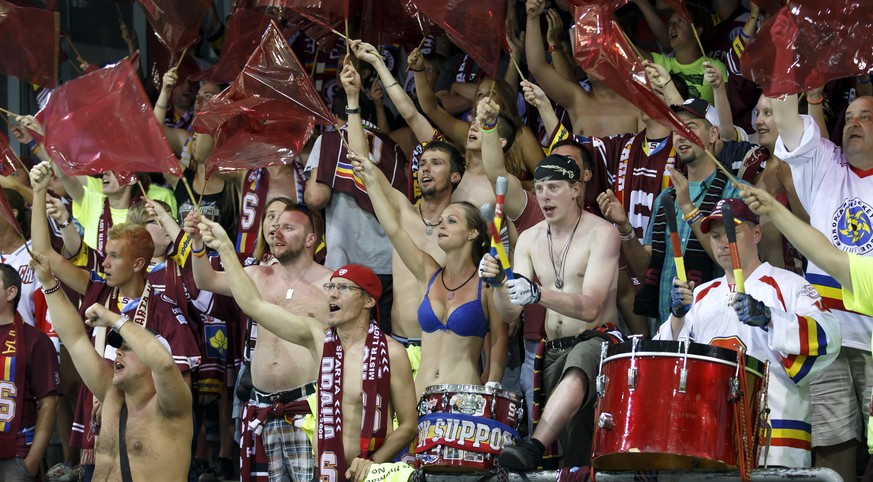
(727, 131)
(635, 253)
(497, 361)
(505, 308)
(547, 114)
(676, 324)
(72, 185)
(162, 105)
(385, 213)
(534, 52)
(788, 121)
(205, 277)
(815, 109)
(147, 348)
(396, 441)
(580, 305)
(10, 182)
(812, 244)
(656, 25)
(72, 240)
(417, 122)
(561, 64)
(45, 423)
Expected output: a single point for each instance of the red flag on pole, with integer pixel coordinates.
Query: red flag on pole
(477, 27)
(807, 44)
(103, 121)
(243, 35)
(176, 23)
(604, 53)
(8, 215)
(33, 34)
(272, 72)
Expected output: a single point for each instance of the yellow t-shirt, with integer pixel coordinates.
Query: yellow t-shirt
(860, 299)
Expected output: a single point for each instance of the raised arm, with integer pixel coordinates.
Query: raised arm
(562, 65)
(419, 262)
(165, 219)
(713, 76)
(493, 160)
(64, 220)
(419, 124)
(282, 323)
(656, 25)
(69, 274)
(351, 83)
(452, 127)
(174, 396)
(96, 374)
(564, 91)
(205, 277)
(808, 240)
(176, 137)
(788, 121)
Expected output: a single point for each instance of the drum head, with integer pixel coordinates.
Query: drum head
(676, 348)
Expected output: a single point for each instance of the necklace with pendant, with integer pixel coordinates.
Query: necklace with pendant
(428, 225)
(562, 260)
(290, 292)
(451, 291)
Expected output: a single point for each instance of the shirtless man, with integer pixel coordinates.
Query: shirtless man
(144, 386)
(282, 371)
(615, 115)
(578, 292)
(353, 329)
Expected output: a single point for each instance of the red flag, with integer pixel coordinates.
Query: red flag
(243, 35)
(385, 22)
(604, 53)
(260, 133)
(176, 23)
(7, 157)
(29, 37)
(103, 121)
(272, 72)
(8, 215)
(806, 45)
(476, 27)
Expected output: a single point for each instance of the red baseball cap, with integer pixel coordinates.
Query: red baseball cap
(739, 208)
(363, 277)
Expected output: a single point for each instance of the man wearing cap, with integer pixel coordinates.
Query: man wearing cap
(365, 377)
(779, 318)
(578, 271)
(695, 196)
(282, 371)
(146, 424)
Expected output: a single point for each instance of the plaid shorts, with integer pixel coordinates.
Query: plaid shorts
(281, 453)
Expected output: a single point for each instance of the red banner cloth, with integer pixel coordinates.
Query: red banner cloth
(103, 121)
(176, 23)
(604, 53)
(29, 37)
(243, 35)
(478, 27)
(806, 45)
(272, 72)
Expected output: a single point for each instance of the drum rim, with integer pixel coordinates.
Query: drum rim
(701, 351)
(664, 354)
(477, 389)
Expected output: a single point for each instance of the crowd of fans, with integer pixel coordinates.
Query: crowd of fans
(286, 306)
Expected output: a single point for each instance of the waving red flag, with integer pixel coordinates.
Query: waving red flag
(103, 121)
(243, 36)
(33, 34)
(604, 53)
(806, 45)
(272, 72)
(7, 157)
(176, 23)
(476, 26)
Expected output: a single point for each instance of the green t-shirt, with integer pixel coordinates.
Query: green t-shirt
(692, 74)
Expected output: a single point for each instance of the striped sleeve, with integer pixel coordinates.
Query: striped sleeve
(806, 334)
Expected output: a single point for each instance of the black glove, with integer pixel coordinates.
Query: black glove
(677, 307)
(751, 311)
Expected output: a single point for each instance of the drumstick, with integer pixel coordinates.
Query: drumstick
(730, 229)
(500, 188)
(488, 214)
(670, 214)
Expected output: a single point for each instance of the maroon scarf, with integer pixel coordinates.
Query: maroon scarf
(376, 387)
(13, 350)
(106, 222)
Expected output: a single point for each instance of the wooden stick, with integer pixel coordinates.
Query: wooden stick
(120, 16)
(78, 69)
(180, 60)
(341, 35)
(75, 50)
(185, 183)
(697, 37)
(517, 68)
(639, 55)
(142, 188)
(725, 170)
(348, 47)
(314, 65)
(10, 114)
(29, 253)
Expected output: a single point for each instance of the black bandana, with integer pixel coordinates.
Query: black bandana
(557, 168)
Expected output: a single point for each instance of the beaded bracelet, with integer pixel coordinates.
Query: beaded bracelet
(53, 289)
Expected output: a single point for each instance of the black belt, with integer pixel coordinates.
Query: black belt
(286, 396)
(564, 343)
(407, 342)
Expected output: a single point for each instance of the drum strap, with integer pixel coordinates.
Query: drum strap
(122, 445)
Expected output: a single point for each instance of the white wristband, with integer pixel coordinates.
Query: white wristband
(120, 322)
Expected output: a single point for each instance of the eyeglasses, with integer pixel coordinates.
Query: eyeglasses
(342, 287)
